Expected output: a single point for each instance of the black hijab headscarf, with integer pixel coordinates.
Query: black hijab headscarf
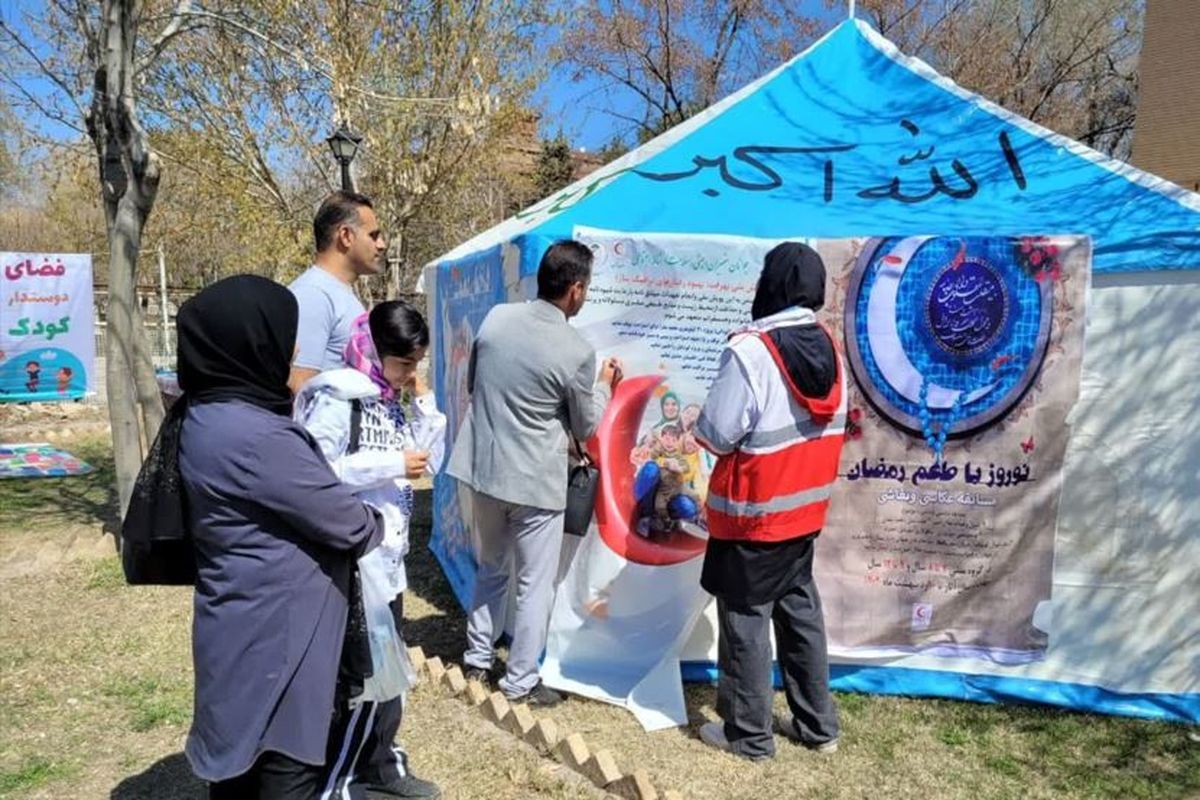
(794, 275)
(236, 340)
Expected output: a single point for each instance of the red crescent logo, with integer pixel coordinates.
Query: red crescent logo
(615, 504)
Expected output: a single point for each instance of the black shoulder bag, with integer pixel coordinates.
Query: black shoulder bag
(583, 481)
(156, 545)
(356, 665)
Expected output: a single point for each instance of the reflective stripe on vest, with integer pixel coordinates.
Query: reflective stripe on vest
(774, 496)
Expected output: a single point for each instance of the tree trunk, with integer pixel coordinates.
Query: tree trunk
(129, 175)
(124, 234)
(148, 396)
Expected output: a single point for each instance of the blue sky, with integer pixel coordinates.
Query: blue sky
(583, 110)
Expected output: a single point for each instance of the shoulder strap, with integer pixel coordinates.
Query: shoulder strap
(355, 425)
(580, 450)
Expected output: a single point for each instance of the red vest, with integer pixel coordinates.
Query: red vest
(776, 485)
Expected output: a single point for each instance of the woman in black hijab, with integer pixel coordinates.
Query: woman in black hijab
(793, 276)
(236, 342)
(774, 418)
(275, 535)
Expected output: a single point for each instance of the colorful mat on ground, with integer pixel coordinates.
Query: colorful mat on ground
(39, 461)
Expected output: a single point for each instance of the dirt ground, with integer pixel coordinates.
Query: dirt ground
(95, 691)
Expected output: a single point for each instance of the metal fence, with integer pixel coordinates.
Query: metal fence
(162, 349)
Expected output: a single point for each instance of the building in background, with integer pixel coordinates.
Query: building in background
(1165, 138)
(519, 163)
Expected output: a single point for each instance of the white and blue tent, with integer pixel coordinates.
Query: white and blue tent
(823, 147)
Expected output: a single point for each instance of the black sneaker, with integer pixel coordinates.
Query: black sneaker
(540, 696)
(713, 734)
(407, 786)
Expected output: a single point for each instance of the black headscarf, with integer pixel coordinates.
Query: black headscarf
(236, 340)
(794, 275)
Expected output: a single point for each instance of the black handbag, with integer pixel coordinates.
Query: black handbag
(156, 545)
(583, 481)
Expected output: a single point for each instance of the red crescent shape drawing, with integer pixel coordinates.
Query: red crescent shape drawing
(611, 447)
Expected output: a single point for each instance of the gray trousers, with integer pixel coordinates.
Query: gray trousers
(523, 542)
(745, 689)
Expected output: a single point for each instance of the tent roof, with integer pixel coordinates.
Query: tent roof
(853, 138)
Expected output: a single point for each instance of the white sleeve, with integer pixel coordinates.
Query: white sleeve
(429, 430)
(731, 410)
(327, 419)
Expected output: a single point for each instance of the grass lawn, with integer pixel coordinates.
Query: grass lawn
(32, 506)
(95, 700)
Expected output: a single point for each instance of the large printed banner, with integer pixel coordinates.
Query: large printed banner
(47, 343)
(632, 595)
(972, 346)
(464, 291)
(967, 347)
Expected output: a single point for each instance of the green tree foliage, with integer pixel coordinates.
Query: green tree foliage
(554, 166)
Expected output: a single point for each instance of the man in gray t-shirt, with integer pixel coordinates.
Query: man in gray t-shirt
(349, 245)
(327, 309)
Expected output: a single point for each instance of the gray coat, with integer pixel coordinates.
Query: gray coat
(275, 535)
(532, 376)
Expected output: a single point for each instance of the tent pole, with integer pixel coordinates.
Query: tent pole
(850, 15)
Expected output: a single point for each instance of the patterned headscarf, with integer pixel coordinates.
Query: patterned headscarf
(360, 355)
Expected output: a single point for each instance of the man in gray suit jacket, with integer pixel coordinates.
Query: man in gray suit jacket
(532, 378)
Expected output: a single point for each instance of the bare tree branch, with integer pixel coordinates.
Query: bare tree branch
(175, 27)
(48, 73)
(48, 113)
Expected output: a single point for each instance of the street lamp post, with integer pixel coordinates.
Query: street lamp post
(344, 144)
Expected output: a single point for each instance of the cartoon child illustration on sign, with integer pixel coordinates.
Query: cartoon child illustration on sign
(33, 373)
(674, 500)
(64, 379)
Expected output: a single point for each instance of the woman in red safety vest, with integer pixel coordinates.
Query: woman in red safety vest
(775, 418)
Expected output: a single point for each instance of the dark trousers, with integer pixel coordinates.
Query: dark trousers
(274, 776)
(362, 750)
(745, 689)
(383, 760)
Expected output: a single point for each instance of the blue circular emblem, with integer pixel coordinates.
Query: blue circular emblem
(966, 308)
(945, 334)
